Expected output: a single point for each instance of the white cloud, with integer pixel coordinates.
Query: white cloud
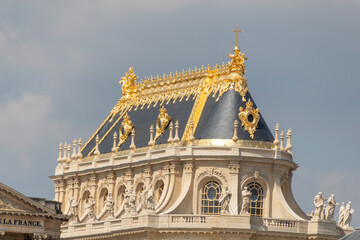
(19, 53)
(25, 122)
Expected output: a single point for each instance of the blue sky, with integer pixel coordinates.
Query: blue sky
(60, 63)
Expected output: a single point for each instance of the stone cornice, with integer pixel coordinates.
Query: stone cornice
(157, 156)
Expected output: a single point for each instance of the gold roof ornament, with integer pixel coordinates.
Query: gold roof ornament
(249, 118)
(125, 129)
(237, 68)
(197, 86)
(128, 83)
(162, 122)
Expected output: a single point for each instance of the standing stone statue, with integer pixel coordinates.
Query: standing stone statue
(74, 210)
(330, 208)
(129, 201)
(341, 215)
(109, 205)
(347, 216)
(147, 198)
(319, 204)
(150, 204)
(90, 209)
(225, 200)
(245, 206)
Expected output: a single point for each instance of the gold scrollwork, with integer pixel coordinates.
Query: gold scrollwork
(249, 118)
(125, 129)
(162, 122)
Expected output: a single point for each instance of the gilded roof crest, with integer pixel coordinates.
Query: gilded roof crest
(128, 83)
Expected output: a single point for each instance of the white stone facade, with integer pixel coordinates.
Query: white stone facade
(181, 172)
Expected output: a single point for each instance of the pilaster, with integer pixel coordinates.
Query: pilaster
(234, 168)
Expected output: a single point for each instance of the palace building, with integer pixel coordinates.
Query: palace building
(25, 218)
(186, 156)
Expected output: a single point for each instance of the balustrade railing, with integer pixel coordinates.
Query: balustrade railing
(270, 222)
(188, 219)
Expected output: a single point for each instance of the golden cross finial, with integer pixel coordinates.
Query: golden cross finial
(237, 37)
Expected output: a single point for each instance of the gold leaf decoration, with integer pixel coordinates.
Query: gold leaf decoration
(162, 122)
(125, 129)
(249, 118)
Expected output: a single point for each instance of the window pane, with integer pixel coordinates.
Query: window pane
(210, 195)
(256, 206)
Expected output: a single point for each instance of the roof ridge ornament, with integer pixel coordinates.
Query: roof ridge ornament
(128, 83)
(236, 63)
(236, 48)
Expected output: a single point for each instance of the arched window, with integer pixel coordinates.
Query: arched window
(210, 195)
(120, 196)
(257, 199)
(139, 188)
(159, 188)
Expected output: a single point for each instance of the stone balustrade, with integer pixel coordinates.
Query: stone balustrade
(270, 222)
(188, 219)
(181, 221)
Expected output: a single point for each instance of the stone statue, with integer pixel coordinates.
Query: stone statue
(341, 215)
(319, 205)
(130, 201)
(4, 206)
(245, 206)
(225, 200)
(90, 209)
(74, 210)
(347, 216)
(147, 198)
(330, 208)
(109, 205)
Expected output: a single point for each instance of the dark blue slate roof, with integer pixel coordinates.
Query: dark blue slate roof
(216, 122)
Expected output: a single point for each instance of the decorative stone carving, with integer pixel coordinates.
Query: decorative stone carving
(341, 214)
(188, 167)
(39, 236)
(90, 209)
(256, 174)
(330, 208)
(347, 216)
(211, 172)
(157, 177)
(147, 198)
(74, 218)
(130, 201)
(4, 206)
(224, 200)
(245, 206)
(234, 168)
(120, 181)
(319, 204)
(109, 205)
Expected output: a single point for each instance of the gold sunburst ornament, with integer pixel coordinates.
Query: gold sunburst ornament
(249, 118)
(162, 122)
(125, 129)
